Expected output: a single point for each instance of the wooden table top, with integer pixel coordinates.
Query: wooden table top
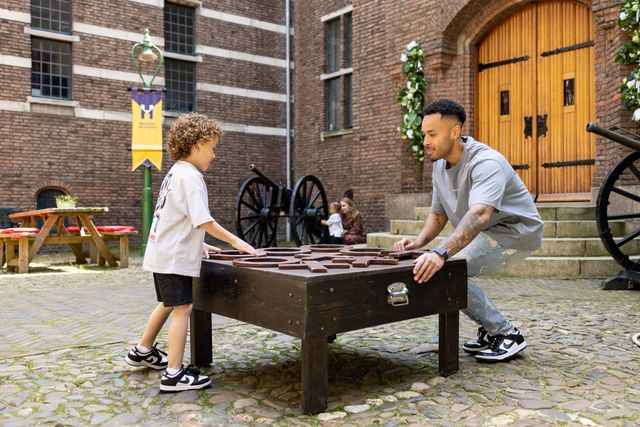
(60, 211)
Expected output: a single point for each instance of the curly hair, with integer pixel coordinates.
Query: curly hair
(190, 130)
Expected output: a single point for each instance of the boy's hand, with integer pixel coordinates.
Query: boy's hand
(208, 248)
(244, 247)
(323, 222)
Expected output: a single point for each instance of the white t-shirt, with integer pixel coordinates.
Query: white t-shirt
(335, 225)
(175, 241)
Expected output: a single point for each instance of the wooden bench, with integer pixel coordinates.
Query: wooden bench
(123, 253)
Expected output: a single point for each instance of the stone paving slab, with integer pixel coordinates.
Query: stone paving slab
(65, 331)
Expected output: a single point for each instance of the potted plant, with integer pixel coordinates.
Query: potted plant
(66, 201)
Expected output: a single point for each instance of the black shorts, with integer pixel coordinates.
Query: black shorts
(335, 240)
(173, 289)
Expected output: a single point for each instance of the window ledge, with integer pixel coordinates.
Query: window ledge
(197, 4)
(51, 35)
(52, 101)
(335, 133)
(340, 72)
(182, 57)
(174, 113)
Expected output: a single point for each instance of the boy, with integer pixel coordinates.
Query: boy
(176, 247)
(334, 223)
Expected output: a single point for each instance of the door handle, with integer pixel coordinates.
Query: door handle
(528, 126)
(541, 128)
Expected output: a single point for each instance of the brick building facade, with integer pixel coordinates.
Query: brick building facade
(370, 158)
(79, 144)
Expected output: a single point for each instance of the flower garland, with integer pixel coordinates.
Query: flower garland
(412, 98)
(629, 54)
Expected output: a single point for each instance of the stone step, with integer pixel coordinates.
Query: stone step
(557, 258)
(566, 212)
(551, 228)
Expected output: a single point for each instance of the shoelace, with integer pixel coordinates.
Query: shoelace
(156, 351)
(495, 341)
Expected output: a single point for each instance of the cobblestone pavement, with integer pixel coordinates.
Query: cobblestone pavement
(65, 331)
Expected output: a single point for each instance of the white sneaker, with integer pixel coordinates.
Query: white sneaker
(503, 347)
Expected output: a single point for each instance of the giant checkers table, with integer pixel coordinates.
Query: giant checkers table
(317, 291)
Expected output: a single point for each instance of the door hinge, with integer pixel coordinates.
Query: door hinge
(541, 126)
(528, 126)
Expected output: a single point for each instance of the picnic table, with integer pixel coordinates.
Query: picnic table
(54, 231)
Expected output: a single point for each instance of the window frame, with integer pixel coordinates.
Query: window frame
(35, 16)
(69, 66)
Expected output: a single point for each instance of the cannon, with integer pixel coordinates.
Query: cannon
(618, 209)
(261, 202)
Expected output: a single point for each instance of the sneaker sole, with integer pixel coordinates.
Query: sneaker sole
(503, 357)
(183, 387)
(143, 363)
(474, 350)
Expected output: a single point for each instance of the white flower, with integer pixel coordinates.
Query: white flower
(623, 16)
(403, 58)
(410, 95)
(637, 84)
(410, 133)
(636, 115)
(412, 45)
(631, 84)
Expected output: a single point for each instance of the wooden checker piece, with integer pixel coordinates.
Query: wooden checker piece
(360, 252)
(364, 262)
(325, 247)
(410, 254)
(233, 254)
(287, 251)
(259, 262)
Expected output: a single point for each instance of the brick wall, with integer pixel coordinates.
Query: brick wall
(90, 158)
(372, 160)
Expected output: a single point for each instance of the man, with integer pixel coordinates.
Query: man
(496, 222)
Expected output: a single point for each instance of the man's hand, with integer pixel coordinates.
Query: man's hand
(426, 266)
(206, 249)
(404, 244)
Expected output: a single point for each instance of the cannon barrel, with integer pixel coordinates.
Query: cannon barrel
(262, 176)
(625, 140)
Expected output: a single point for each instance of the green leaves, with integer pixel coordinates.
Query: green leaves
(412, 98)
(629, 54)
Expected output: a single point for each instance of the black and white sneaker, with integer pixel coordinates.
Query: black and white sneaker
(188, 378)
(503, 347)
(479, 344)
(156, 359)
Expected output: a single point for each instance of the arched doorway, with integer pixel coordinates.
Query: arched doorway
(535, 83)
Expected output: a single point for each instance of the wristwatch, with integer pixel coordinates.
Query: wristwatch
(441, 251)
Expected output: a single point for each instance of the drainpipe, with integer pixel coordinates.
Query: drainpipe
(287, 26)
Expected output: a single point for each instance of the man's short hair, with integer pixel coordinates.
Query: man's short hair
(446, 108)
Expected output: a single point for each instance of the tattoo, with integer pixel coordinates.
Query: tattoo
(469, 227)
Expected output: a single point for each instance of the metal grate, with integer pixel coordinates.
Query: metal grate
(181, 85)
(179, 29)
(50, 68)
(51, 15)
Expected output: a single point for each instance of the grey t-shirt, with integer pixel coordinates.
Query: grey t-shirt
(484, 176)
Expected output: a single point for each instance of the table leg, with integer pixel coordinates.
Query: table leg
(77, 251)
(124, 251)
(201, 340)
(42, 235)
(1, 253)
(315, 384)
(97, 240)
(23, 255)
(448, 342)
(10, 254)
(93, 253)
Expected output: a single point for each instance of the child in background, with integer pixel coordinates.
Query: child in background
(335, 224)
(176, 247)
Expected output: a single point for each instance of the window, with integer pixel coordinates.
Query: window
(504, 103)
(50, 68)
(337, 77)
(51, 59)
(51, 15)
(569, 92)
(180, 76)
(181, 85)
(179, 29)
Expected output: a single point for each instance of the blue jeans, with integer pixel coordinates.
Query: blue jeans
(486, 256)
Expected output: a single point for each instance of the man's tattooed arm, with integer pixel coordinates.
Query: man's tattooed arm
(469, 227)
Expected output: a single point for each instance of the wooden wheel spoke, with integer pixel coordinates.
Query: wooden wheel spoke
(623, 216)
(634, 170)
(245, 231)
(626, 194)
(629, 237)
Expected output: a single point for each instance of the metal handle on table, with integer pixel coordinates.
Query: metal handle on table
(398, 294)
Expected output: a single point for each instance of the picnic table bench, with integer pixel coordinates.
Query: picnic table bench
(28, 239)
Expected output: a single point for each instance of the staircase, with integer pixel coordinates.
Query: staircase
(570, 248)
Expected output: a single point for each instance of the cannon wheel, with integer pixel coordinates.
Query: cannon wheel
(308, 206)
(616, 204)
(256, 223)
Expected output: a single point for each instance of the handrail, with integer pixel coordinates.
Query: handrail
(634, 144)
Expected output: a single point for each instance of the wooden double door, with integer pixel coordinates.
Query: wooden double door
(536, 93)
